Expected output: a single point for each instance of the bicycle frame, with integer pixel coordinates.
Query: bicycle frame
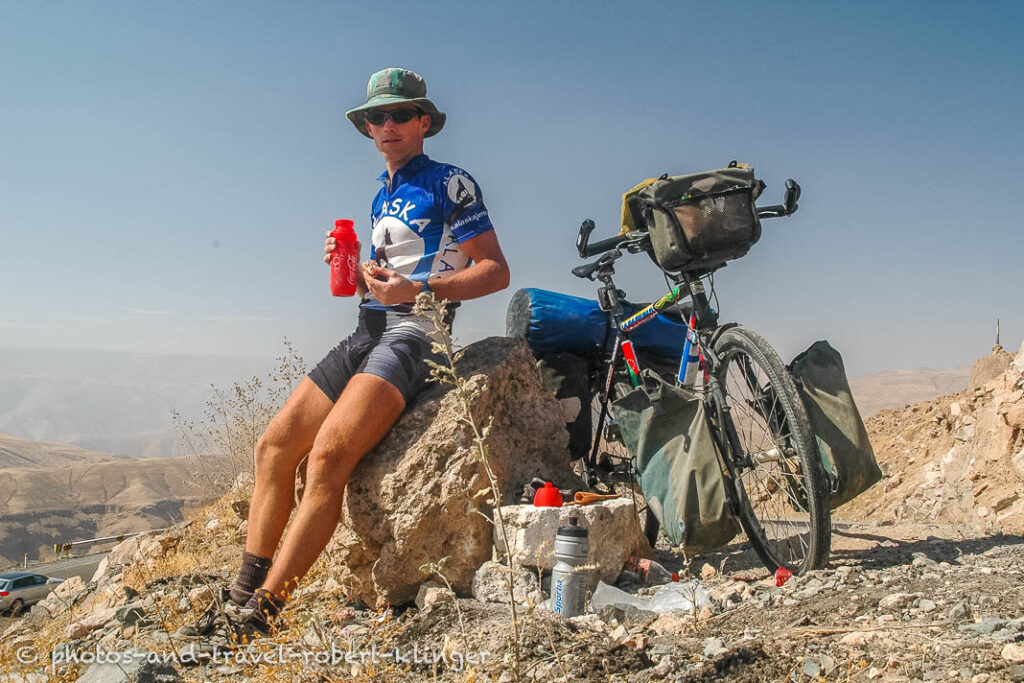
(702, 319)
(702, 324)
(649, 313)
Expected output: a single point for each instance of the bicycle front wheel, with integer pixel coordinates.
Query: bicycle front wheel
(778, 474)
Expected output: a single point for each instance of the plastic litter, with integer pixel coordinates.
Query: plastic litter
(668, 598)
(649, 571)
(680, 596)
(605, 595)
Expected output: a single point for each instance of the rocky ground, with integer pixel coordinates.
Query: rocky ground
(957, 459)
(897, 603)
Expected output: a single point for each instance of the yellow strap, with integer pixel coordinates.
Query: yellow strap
(627, 217)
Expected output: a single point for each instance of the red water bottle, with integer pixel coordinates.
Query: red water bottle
(344, 259)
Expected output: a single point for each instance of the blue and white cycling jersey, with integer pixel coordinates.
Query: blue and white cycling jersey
(420, 221)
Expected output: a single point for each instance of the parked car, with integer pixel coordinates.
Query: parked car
(19, 590)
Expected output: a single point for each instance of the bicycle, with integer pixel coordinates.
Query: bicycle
(774, 479)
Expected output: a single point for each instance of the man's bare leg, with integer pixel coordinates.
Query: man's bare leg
(363, 414)
(287, 440)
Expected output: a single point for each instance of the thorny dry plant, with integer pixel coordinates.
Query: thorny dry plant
(437, 568)
(235, 418)
(443, 345)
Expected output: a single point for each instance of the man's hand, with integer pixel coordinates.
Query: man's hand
(393, 289)
(330, 244)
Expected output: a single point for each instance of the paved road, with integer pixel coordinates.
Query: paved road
(84, 566)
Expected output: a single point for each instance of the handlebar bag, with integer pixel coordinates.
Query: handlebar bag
(838, 428)
(666, 430)
(701, 220)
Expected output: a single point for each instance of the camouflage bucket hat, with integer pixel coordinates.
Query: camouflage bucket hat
(395, 85)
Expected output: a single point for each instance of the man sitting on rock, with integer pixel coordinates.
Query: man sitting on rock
(430, 233)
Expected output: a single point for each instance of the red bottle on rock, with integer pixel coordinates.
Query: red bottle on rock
(548, 496)
(344, 259)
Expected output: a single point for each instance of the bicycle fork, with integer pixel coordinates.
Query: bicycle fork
(727, 445)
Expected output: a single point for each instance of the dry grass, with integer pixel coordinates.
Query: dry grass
(234, 419)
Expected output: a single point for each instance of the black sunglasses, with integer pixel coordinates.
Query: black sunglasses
(379, 117)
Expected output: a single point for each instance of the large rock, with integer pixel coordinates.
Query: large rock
(136, 666)
(61, 598)
(490, 584)
(614, 535)
(70, 589)
(90, 622)
(421, 495)
(989, 368)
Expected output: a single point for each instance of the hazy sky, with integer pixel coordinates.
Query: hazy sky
(168, 170)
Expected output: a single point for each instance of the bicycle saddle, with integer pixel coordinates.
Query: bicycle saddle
(586, 270)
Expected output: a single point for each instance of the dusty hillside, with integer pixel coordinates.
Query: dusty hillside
(15, 452)
(957, 459)
(83, 494)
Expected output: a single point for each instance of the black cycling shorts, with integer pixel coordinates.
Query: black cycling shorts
(382, 345)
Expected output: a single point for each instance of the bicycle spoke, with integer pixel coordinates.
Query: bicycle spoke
(776, 488)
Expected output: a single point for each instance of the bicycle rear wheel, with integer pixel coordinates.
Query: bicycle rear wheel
(778, 474)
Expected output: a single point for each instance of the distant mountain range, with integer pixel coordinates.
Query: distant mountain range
(900, 388)
(120, 403)
(15, 452)
(55, 493)
(110, 401)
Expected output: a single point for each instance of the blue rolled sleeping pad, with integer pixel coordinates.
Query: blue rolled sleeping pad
(551, 322)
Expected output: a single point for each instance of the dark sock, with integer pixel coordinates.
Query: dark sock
(266, 606)
(250, 577)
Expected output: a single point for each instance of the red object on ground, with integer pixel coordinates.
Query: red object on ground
(549, 496)
(344, 259)
(782, 575)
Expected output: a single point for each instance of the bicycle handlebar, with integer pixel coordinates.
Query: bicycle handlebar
(582, 241)
(789, 203)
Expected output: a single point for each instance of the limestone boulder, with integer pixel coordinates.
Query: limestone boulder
(422, 495)
(432, 593)
(61, 599)
(490, 584)
(135, 666)
(70, 589)
(614, 534)
(989, 368)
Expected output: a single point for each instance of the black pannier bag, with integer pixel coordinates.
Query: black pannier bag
(838, 428)
(701, 220)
